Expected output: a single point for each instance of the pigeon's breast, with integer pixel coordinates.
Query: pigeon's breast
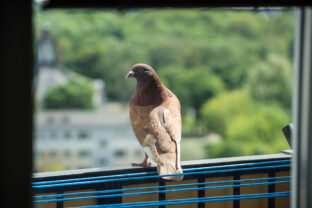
(140, 121)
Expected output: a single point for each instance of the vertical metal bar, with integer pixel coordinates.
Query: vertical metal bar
(271, 189)
(236, 191)
(60, 204)
(117, 185)
(104, 186)
(109, 186)
(201, 193)
(162, 196)
(302, 112)
(100, 200)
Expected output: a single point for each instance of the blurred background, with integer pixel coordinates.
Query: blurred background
(231, 70)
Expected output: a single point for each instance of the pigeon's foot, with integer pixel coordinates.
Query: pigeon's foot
(142, 164)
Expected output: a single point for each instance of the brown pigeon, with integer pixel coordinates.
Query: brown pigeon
(156, 121)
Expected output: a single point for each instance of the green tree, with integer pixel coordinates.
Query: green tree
(224, 149)
(217, 113)
(105, 45)
(271, 81)
(259, 132)
(264, 124)
(193, 86)
(73, 94)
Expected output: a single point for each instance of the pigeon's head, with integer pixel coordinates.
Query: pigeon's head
(149, 89)
(142, 73)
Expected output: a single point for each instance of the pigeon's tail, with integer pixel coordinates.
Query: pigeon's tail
(168, 168)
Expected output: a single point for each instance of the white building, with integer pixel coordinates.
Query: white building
(72, 139)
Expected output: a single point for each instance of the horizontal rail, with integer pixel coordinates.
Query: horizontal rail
(158, 187)
(162, 191)
(155, 172)
(159, 176)
(110, 187)
(128, 4)
(194, 200)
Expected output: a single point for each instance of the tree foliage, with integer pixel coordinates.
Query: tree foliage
(106, 44)
(248, 126)
(231, 68)
(193, 86)
(73, 94)
(271, 81)
(219, 112)
(260, 125)
(258, 133)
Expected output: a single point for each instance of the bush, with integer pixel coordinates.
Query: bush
(224, 149)
(271, 81)
(218, 112)
(236, 148)
(256, 133)
(264, 124)
(73, 94)
(248, 127)
(262, 127)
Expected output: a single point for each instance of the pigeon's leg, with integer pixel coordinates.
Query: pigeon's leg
(144, 163)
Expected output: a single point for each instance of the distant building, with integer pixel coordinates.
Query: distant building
(74, 139)
(49, 73)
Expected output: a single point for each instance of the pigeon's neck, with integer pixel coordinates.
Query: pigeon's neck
(149, 93)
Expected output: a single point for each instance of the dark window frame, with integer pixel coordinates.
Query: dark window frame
(18, 65)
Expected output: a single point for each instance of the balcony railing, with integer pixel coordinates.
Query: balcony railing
(251, 181)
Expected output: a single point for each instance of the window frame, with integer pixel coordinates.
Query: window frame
(19, 68)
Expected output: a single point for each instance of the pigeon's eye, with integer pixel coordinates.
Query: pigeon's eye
(141, 69)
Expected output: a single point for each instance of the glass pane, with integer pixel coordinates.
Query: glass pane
(230, 69)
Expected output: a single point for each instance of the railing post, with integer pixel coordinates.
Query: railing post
(60, 204)
(201, 193)
(236, 191)
(162, 196)
(271, 189)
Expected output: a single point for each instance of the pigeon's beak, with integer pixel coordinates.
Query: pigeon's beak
(130, 74)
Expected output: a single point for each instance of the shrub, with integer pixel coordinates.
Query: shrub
(253, 134)
(271, 81)
(263, 126)
(217, 113)
(73, 94)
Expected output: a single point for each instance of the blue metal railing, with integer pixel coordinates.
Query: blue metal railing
(119, 193)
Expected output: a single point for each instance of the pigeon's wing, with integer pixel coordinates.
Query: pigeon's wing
(166, 122)
(172, 122)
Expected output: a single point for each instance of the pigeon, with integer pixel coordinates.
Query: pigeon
(156, 122)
